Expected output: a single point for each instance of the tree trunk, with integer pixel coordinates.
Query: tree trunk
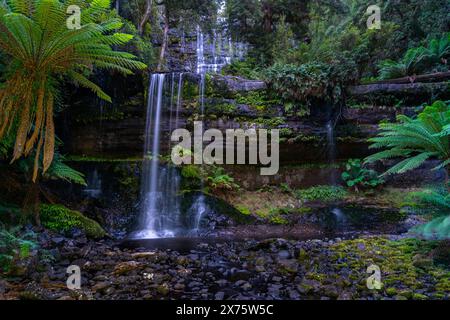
(145, 17)
(31, 202)
(268, 17)
(165, 40)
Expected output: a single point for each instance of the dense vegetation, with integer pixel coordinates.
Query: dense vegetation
(315, 48)
(309, 55)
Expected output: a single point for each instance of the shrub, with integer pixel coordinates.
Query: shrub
(357, 177)
(322, 193)
(218, 179)
(244, 68)
(257, 99)
(299, 83)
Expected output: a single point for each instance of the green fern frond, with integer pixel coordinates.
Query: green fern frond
(60, 170)
(408, 164)
(417, 140)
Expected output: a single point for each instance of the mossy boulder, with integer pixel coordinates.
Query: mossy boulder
(61, 219)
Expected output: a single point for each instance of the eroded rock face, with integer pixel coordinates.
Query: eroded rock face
(232, 84)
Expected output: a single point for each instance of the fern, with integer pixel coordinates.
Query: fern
(41, 51)
(417, 140)
(438, 228)
(439, 201)
(417, 60)
(60, 170)
(14, 246)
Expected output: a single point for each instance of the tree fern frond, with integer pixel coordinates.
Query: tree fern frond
(409, 164)
(62, 171)
(84, 82)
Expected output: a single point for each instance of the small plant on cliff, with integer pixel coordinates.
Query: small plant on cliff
(357, 177)
(215, 178)
(219, 180)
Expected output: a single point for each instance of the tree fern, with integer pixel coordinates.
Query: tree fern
(438, 50)
(415, 139)
(409, 65)
(417, 60)
(41, 51)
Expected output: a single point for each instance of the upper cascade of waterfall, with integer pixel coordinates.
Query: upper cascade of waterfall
(216, 50)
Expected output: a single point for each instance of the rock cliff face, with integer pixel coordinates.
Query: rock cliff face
(231, 84)
(303, 139)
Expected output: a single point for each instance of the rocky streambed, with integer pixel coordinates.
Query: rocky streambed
(228, 270)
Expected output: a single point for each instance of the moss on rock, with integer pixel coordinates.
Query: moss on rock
(398, 260)
(61, 219)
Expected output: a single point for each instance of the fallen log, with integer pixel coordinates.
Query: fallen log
(432, 77)
(409, 88)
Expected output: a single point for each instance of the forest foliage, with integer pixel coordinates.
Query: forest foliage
(328, 45)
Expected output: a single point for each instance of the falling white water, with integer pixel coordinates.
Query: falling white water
(198, 210)
(210, 56)
(340, 217)
(331, 147)
(94, 185)
(160, 183)
(200, 50)
(183, 42)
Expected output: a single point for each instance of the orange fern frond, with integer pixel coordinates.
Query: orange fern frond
(49, 145)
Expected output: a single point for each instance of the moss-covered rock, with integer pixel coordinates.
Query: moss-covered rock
(61, 219)
(404, 265)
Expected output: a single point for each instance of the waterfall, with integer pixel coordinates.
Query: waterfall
(160, 183)
(183, 42)
(94, 186)
(212, 59)
(200, 50)
(198, 208)
(331, 149)
(340, 217)
(160, 200)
